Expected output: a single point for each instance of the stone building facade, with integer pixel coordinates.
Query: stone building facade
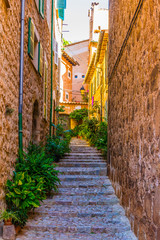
(134, 112)
(37, 78)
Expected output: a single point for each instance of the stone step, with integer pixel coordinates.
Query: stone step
(84, 154)
(84, 160)
(83, 171)
(84, 157)
(88, 191)
(77, 211)
(48, 235)
(81, 164)
(85, 184)
(87, 178)
(83, 200)
(79, 225)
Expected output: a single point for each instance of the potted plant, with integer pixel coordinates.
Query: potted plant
(7, 216)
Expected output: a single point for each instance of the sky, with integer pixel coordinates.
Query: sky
(76, 16)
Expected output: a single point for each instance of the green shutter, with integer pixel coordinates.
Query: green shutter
(61, 4)
(31, 38)
(61, 14)
(41, 8)
(40, 59)
(45, 91)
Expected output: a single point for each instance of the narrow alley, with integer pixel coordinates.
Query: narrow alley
(86, 206)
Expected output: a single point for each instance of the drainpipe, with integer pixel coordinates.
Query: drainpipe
(21, 76)
(51, 105)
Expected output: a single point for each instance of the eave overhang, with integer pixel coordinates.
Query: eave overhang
(70, 59)
(102, 45)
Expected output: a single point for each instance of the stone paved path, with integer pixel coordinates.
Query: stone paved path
(86, 207)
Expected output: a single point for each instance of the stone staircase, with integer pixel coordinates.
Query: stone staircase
(86, 207)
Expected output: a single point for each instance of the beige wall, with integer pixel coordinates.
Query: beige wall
(134, 114)
(80, 52)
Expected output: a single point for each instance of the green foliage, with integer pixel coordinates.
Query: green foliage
(7, 215)
(38, 165)
(56, 147)
(35, 175)
(94, 132)
(79, 114)
(66, 42)
(22, 217)
(60, 109)
(23, 192)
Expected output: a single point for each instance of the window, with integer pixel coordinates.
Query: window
(61, 4)
(76, 76)
(67, 96)
(35, 50)
(45, 90)
(55, 52)
(31, 39)
(69, 73)
(40, 7)
(83, 76)
(48, 7)
(40, 59)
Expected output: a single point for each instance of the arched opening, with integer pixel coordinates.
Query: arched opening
(35, 123)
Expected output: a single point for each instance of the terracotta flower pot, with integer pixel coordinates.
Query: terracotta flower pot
(8, 222)
(17, 229)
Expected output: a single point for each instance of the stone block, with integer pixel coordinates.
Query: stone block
(9, 232)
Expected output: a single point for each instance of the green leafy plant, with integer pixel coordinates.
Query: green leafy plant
(56, 147)
(79, 115)
(39, 166)
(23, 192)
(6, 215)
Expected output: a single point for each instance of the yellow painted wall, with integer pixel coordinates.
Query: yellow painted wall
(99, 89)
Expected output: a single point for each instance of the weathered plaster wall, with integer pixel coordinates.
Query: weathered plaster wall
(134, 114)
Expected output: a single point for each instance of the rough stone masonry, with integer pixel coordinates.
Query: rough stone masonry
(134, 112)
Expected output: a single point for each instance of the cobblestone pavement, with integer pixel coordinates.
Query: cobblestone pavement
(86, 207)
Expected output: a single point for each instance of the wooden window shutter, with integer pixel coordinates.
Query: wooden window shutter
(40, 59)
(41, 8)
(31, 38)
(45, 90)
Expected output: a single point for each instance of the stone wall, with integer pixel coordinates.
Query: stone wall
(33, 88)
(134, 113)
(9, 75)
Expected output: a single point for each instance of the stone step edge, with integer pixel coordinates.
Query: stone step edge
(80, 229)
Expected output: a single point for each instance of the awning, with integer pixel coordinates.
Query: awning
(61, 14)
(61, 4)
